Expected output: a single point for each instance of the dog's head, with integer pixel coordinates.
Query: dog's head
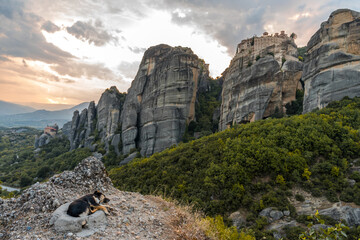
(100, 197)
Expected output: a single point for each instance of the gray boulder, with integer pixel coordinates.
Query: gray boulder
(129, 158)
(42, 140)
(349, 214)
(82, 226)
(238, 219)
(273, 215)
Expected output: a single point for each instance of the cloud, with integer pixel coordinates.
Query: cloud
(85, 70)
(137, 50)
(3, 59)
(230, 21)
(50, 27)
(129, 69)
(22, 37)
(95, 34)
(24, 63)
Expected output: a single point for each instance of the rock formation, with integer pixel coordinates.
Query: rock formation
(154, 113)
(104, 118)
(161, 99)
(332, 64)
(49, 133)
(42, 140)
(262, 77)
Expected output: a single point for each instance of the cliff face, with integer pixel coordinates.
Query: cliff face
(332, 65)
(161, 99)
(154, 114)
(262, 77)
(104, 118)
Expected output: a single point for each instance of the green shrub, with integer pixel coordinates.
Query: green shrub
(216, 229)
(299, 197)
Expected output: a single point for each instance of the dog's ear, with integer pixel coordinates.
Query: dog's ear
(97, 193)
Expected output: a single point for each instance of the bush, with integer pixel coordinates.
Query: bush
(299, 197)
(215, 229)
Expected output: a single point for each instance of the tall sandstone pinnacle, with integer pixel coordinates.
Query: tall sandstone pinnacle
(154, 114)
(104, 118)
(261, 79)
(161, 99)
(332, 64)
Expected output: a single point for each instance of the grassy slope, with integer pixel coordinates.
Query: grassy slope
(252, 166)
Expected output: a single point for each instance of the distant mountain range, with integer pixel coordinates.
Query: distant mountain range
(7, 108)
(46, 106)
(36, 119)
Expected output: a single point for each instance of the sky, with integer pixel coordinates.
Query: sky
(68, 52)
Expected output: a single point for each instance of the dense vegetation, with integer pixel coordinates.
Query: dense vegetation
(207, 102)
(301, 53)
(20, 166)
(295, 107)
(254, 166)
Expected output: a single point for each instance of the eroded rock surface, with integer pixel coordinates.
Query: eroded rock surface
(82, 226)
(332, 65)
(161, 99)
(104, 118)
(262, 77)
(349, 214)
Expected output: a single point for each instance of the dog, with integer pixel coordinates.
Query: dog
(88, 204)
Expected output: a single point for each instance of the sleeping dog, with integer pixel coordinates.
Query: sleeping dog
(88, 204)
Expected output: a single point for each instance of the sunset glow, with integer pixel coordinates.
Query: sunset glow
(70, 51)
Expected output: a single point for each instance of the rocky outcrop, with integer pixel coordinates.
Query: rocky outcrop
(132, 215)
(42, 140)
(272, 214)
(108, 113)
(104, 118)
(153, 116)
(82, 226)
(161, 99)
(346, 213)
(261, 79)
(332, 64)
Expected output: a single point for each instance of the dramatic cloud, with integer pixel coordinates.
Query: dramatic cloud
(137, 50)
(21, 35)
(86, 31)
(40, 58)
(85, 70)
(3, 59)
(32, 68)
(230, 21)
(50, 27)
(129, 69)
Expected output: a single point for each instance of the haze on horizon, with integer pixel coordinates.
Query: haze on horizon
(68, 52)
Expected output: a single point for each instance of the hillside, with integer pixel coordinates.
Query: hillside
(20, 166)
(40, 118)
(7, 108)
(258, 165)
(133, 216)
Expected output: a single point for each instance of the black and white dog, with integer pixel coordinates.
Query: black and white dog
(88, 204)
